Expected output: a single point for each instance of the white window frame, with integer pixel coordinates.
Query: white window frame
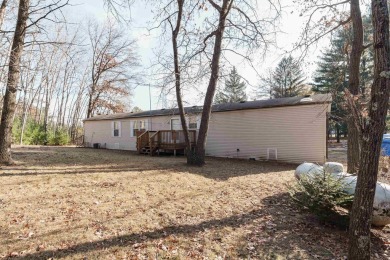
(195, 121)
(113, 129)
(136, 125)
(176, 118)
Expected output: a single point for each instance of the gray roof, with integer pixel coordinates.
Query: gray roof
(257, 104)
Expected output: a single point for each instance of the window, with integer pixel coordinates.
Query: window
(175, 124)
(116, 129)
(193, 125)
(137, 127)
(192, 122)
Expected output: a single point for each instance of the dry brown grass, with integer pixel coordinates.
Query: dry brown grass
(75, 203)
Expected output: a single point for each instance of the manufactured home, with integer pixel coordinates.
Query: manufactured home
(292, 129)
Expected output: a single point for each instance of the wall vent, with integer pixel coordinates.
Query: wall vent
(272, 153)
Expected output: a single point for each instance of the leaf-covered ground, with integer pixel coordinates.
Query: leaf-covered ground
(80, 203)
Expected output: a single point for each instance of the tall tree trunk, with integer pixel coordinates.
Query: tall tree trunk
(2, 11)
(354, 73)
(46, 111)
(175, 33)
(90, 103)
(198, 156)
(9, 104)
(337, 133)
(372, 134)
(24, 116)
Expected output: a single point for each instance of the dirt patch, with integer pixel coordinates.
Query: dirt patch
(75, 203)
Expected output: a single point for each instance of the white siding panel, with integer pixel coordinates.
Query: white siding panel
(102, 132)
(298, 133)
(131, 128)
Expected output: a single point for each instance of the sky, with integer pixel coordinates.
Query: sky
(142, 16)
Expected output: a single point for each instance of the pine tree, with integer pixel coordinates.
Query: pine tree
(234, 90)
(286, 80)
(331, 75)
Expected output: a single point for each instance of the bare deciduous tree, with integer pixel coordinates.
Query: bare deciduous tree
(232, 27)
(198, 156)
(41, 12)
(371, 123)
(113, 58)
(2, 11)
(175, 33)
(333, 16)
(12, 83)
(353, 86)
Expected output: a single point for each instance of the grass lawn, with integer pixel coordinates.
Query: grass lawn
(76, 203)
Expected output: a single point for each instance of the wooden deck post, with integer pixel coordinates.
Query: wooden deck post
(150, 146)
(171, 140)
(174, 142)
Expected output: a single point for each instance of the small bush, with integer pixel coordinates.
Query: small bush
(58, 137)
(16, 130)
(322, 194)
(34, 134)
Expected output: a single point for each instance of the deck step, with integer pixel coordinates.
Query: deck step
(145, 150)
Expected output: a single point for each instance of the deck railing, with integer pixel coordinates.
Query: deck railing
(143, 139)
(153, 143)
(165, 140)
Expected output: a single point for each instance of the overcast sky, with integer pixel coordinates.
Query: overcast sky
(290, 25)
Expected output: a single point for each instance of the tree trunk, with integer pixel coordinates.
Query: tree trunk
(24, 116)
(353, 150)
(9, 104)
(2, 11)
(46, 113)
(354, 73)
(372, 132)
(90, 107)
(197, 157)
(338, 133)
(175, 33)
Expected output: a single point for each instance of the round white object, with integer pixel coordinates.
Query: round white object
(333, 167)
(381, 212)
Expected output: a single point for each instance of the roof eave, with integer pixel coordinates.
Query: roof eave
(224, 110)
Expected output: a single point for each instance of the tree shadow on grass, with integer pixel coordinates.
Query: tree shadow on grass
(277, 230)
(131, 239)
(90, 161)
(293, 234)
(67, 171)
(225, 168)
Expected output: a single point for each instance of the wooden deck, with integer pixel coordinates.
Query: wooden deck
(152, 142)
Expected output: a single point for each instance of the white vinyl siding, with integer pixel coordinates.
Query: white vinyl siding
(298, 133)
(131, 128)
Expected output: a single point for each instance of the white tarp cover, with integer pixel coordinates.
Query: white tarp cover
(381, 213)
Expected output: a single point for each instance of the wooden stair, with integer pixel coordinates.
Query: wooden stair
(145, 150)
(148, 151)
(150, 142)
